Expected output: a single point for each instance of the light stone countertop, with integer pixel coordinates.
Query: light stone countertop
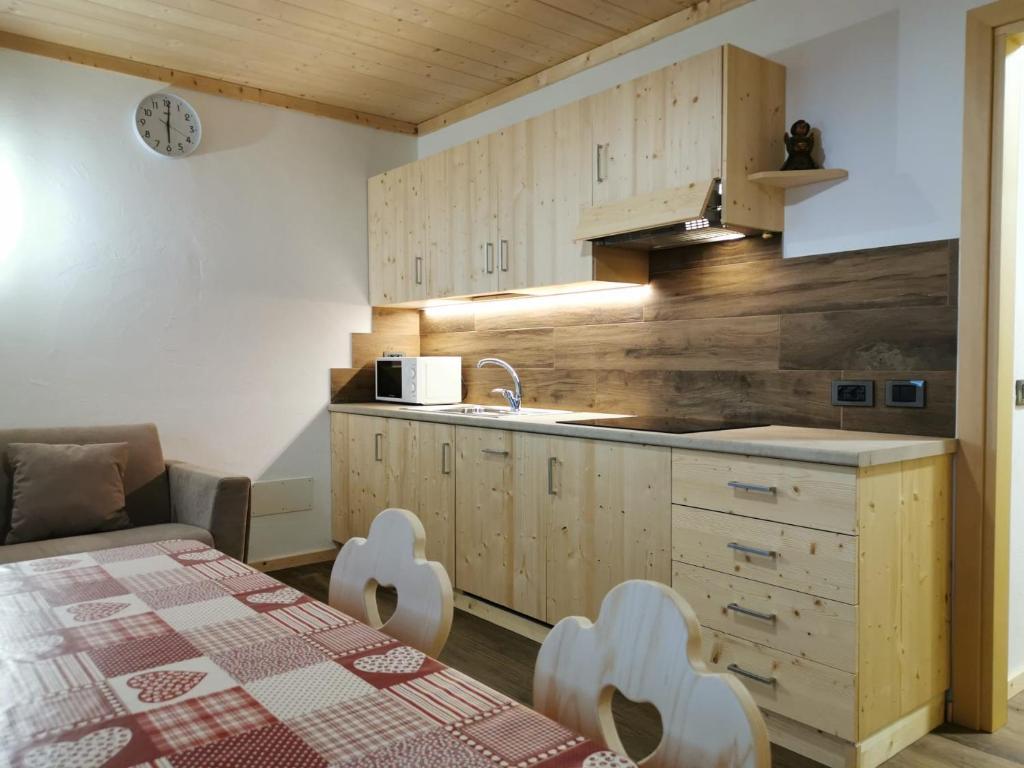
(822, 446)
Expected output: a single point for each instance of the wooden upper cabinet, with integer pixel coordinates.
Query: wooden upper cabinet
(515, 211)
(678, 124)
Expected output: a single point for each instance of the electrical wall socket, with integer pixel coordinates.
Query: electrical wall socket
(1020, 392)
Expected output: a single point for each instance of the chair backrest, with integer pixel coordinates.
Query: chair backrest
(147, 495)
(646, 644)
(393, 556)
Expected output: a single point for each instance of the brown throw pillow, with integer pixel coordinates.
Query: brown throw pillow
(66, 490)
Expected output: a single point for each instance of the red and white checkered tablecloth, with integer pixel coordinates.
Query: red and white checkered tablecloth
(173, 654)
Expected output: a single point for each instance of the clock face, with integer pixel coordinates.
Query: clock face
(168, 125)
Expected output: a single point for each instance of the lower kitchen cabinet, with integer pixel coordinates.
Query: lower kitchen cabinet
(499, 525)
(606, 520)
(379, 463)
(547, 525)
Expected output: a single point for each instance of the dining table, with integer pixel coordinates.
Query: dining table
(175, 654)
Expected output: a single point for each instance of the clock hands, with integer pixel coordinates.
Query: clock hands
(168, 123)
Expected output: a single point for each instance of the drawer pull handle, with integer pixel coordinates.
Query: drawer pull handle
(494, 451)
(552, 460)
(446, 458)
(752, 487)
(737, 669)
(752, 550)
(378, 450)
(751, 612)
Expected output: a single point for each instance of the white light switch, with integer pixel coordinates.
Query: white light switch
(277, 497)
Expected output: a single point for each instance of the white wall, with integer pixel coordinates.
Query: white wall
(881, 79)
(1016, 621)
(210, 294)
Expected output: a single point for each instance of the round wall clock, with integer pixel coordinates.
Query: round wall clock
(168, 125)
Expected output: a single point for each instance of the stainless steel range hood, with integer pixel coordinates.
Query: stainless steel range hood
(667, 219)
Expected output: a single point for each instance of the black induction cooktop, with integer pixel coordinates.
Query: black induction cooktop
(673, 426)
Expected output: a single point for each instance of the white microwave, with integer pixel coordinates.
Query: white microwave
(419, 380)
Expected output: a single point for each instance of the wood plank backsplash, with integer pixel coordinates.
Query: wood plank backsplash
(728, 329)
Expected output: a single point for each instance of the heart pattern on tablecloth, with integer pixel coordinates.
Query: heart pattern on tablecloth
(53, 564)
(95, 611)
(398, 661)
(282, 596)
(91, 751)
(33, 647)
(164, 685)
(206, 554)
(607, 759)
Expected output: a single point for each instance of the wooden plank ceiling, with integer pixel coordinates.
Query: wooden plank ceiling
(405, 60)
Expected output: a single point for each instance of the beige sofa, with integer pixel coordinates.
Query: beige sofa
(164, 500)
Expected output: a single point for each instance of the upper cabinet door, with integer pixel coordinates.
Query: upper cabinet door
(678, 124)
(397, 235)
(545, 182)
(612, 150)
(512, 153)
(470, 226)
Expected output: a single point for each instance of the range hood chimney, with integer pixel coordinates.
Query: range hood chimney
(668, 219)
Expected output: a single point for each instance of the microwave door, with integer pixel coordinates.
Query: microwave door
(389, 379)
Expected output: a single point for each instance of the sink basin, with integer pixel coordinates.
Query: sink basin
(473, 410)
(489, 411)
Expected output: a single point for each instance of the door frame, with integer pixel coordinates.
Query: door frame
(980, 610)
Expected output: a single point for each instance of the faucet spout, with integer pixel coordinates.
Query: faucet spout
(514, 397)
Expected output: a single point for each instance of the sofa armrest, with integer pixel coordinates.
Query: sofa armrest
(214, 501)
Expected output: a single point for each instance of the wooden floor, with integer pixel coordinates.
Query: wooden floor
(504, 661)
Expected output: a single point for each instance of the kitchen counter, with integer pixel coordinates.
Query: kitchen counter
(824, 446)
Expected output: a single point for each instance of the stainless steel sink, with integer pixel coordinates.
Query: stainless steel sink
(475, 410)
(488, 411)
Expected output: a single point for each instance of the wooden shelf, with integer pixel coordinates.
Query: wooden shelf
(787, 179)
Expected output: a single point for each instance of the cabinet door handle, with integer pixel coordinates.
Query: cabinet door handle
(752, 550)
(737, 669)
(751, 612)
(602, 163)
(419, 270)
(378, 446)
(494, 451)
(489, 258)
(551, 475)
(752, 487)
(503, 256)
(446, 458)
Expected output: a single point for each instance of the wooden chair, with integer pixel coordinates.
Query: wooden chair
(646, 644)
(393, 556)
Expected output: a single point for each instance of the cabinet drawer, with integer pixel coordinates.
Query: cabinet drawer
(812, 693)
(818, 562)
(802, 625)
(794, 492)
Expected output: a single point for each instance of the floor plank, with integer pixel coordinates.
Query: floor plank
(505, 661)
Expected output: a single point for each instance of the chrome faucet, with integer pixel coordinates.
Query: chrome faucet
(514, 398)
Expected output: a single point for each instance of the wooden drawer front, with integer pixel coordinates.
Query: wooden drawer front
(802, 625)
(794, 492)
(818, 562)
(811, 693)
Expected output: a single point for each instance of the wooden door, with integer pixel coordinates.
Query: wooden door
(612, 149)
(678, 124)
(367, 490)
(483, 216)
(498, 533)
(388, 265)
(512, 152)
(609, 520)
(467, 200)
(420, 460)
(415, 216)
